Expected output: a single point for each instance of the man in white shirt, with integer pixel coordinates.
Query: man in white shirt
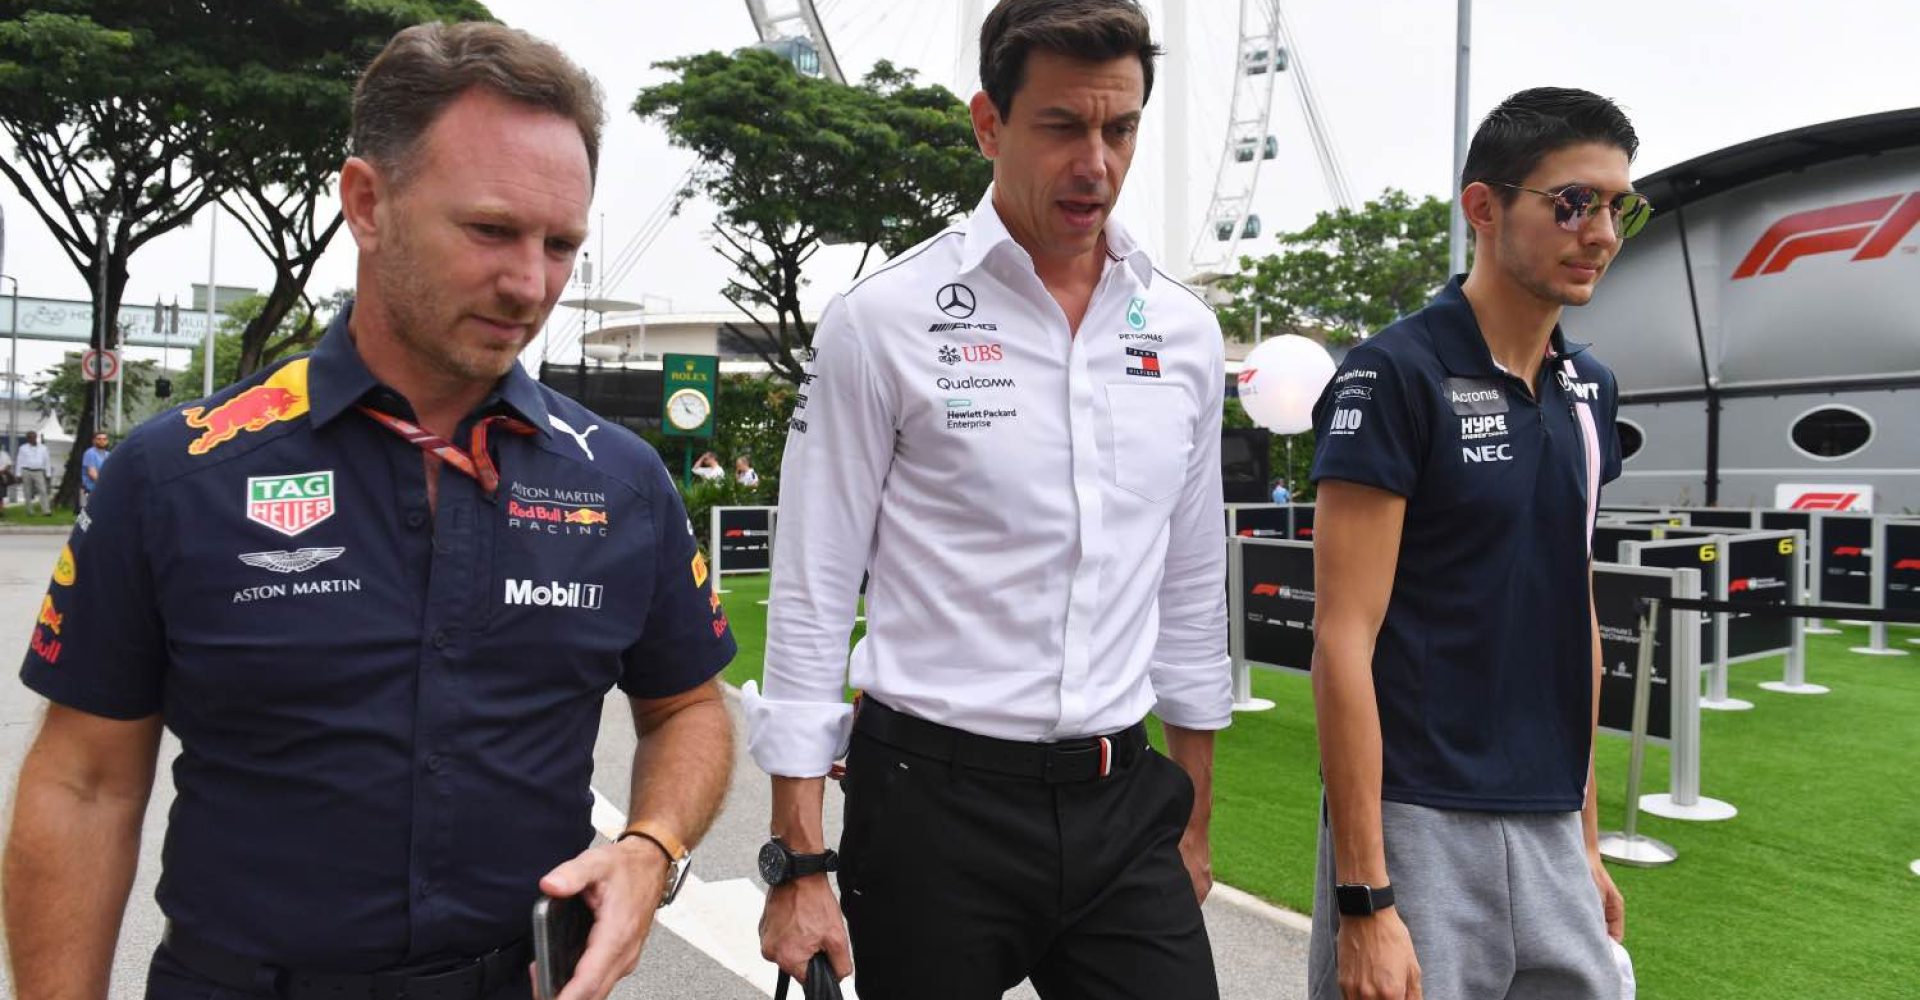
(1014, 428)
(34, 465)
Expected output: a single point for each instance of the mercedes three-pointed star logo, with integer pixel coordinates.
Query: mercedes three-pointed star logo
(955, 300)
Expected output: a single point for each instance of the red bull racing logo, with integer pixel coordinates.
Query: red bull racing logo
(283, 396)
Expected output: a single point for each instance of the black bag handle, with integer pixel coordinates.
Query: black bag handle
(820, 985)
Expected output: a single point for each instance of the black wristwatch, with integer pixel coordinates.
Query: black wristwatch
(780, 865)
(1358, 899)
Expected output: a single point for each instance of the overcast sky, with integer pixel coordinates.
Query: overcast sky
(1694, 75)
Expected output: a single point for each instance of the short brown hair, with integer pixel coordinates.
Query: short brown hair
(426, 67)
(1094, 30)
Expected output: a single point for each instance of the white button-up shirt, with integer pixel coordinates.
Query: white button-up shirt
(33, 458)
(1039, 512)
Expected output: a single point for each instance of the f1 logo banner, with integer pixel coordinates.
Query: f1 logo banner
(1845, 559)
(745, 542)
(1874, 226)
(1277, 608)
(1616, 601)
(1903, 566)
(1760, 571)
(1822, 496)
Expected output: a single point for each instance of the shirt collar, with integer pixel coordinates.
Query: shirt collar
(1459, 342)
(337, 379)
(987, 232)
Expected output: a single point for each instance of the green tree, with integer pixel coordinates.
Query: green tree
(61, 391)
(297, 89)
(793, 162)
(1348, 274)
(127, 117)
(298, 331)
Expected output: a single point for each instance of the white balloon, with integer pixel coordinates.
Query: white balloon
(1281, 380)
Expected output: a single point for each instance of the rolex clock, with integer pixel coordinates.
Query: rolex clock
(689, 385)
(687, 409)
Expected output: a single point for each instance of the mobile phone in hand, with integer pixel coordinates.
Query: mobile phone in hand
(560, 928)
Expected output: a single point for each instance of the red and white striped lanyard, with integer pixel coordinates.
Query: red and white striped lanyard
(476, 463)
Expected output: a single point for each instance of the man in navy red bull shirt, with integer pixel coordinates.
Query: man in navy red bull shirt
(380, 593)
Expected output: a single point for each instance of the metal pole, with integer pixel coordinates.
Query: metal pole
(1684, 800)
(13, 372)
(1628, 847)
(206, 356)
(1457, 225)
(1795, 680)
(1177, 246)
(100, 329)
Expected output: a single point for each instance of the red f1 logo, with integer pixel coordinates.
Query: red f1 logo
(1907, 564)
(1737, 586)
(1849, 550)
(1266, 590)
(1825, 501)
(1831, 230)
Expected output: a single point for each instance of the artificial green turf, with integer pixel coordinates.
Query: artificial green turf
(1806, 894)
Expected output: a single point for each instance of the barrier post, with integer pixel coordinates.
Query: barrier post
(1794, 681)
(1243, 699)
(1683, 800)
(1717, 698)
(1877, 633)
(1628, 847)
(1816, 548)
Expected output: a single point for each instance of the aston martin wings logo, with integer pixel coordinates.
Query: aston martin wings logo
(297, 561)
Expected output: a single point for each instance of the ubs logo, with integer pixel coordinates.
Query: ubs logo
(955, 300)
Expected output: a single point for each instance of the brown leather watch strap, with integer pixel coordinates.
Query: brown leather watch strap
(676, 851)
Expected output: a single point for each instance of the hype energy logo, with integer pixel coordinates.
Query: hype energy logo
(290, 504)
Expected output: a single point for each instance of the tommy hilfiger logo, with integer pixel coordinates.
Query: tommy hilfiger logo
(1143, 363)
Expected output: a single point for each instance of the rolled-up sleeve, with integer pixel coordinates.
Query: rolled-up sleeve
(839, 449)
(1191, 672)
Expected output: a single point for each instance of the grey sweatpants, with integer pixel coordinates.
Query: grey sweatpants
(1499, 905)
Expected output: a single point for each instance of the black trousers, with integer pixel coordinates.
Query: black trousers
(958, 883)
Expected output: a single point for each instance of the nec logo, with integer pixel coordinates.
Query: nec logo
(1825, 501)
(1487, 453)
(1874, 225)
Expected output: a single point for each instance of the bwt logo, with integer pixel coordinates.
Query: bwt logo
(1875, 226)
(1825, 501)
(555, 594)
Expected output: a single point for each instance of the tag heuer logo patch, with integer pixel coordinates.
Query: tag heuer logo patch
(290, 504)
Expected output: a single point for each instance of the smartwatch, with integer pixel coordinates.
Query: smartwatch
(780, 865)
(1358, 899)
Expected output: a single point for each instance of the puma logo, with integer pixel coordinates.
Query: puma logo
(579, 437)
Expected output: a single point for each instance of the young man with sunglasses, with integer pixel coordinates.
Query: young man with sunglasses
(1460, 457)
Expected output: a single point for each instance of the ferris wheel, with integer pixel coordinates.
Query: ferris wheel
(1260, 49)
(1263, 51)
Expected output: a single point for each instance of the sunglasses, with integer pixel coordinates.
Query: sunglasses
(1574, 204)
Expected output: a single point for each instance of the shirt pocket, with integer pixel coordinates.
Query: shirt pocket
(1152, 438)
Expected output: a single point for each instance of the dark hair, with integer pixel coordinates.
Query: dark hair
(426, 67)
(1093, 30)
(1525, 128)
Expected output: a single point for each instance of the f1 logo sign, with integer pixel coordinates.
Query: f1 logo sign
(1266, 590)
(1875, 226)
(1825, 501)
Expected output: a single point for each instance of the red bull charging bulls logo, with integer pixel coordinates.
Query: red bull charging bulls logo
(283, 396)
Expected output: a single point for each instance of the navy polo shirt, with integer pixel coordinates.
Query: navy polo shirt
(386, 713)
(1483, 669)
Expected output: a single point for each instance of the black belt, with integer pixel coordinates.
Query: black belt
(1086, 759)
(473, 979)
